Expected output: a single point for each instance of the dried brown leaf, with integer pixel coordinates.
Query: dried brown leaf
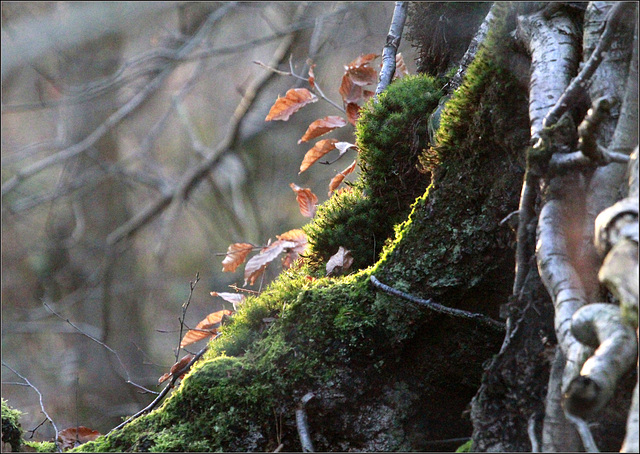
(206, 328)
(343, 147)
(401, 67)
(322, 126)
(294, 100)
(312, 77)
(307, 200)
(321, 148)
(299, 238)
(353, 112)
(75, 436)
(258, 263)
(362, 60)
(337, 180)
(339, 262)
(233, 298)
(363, 75)
(350, 92)
(236, 254)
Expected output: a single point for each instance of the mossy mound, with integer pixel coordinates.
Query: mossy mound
(11, 430)
(387, 374)
(478, 173)
(391, 134)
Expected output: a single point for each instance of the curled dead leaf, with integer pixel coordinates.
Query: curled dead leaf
(339, 262)
(307, 200)
(206, 328)
(321, 148)
(75, 436)
(236, 254)
(299, 238)
(322, 126)
(350, 91)
(312, 77)
(353, 112)
(337, 180)
(401, 67)
(177, 367)
(362, 60)
(363, 75)
(233, 298)
(293, 100)
(258, 263)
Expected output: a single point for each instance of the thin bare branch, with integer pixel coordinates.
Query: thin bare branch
(391, 47)
(488, 321)
(124, 368)
(30, 385)
(175, 376)
(213, 156)
(119, 115)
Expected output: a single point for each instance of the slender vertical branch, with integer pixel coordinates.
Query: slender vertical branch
(391, 48)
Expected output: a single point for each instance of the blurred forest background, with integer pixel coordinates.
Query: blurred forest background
(107, 109)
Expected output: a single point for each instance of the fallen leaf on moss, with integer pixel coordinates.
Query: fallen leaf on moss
(339, 262)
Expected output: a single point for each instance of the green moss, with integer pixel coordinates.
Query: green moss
(341, 336)
(391, 134)
(41, 446)
(11, 430)
(466, 447)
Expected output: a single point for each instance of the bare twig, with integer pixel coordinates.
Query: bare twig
(119, 115)
(391, 47)
(488, 321)
(124, 368)
(185, 306)
(316, 88)
(175, 376)
(213, 156)
(30, 385)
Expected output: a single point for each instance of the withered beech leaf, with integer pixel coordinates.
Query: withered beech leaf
(233, 298)
(350, 91)
(337, 180)
(363, 75)
(177, 367)
(312, 77)
(362, 60)
(343, 147)
(236, 254)
(322, 126)
(299, 238)
(75, 436)
(321, 148)
(401, 67)
(293, 100)
(353, 112)
(307, 200)
(258, 263)
(206, 328)
(339, 262)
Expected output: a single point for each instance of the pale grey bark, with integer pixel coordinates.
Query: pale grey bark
(391, 47)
